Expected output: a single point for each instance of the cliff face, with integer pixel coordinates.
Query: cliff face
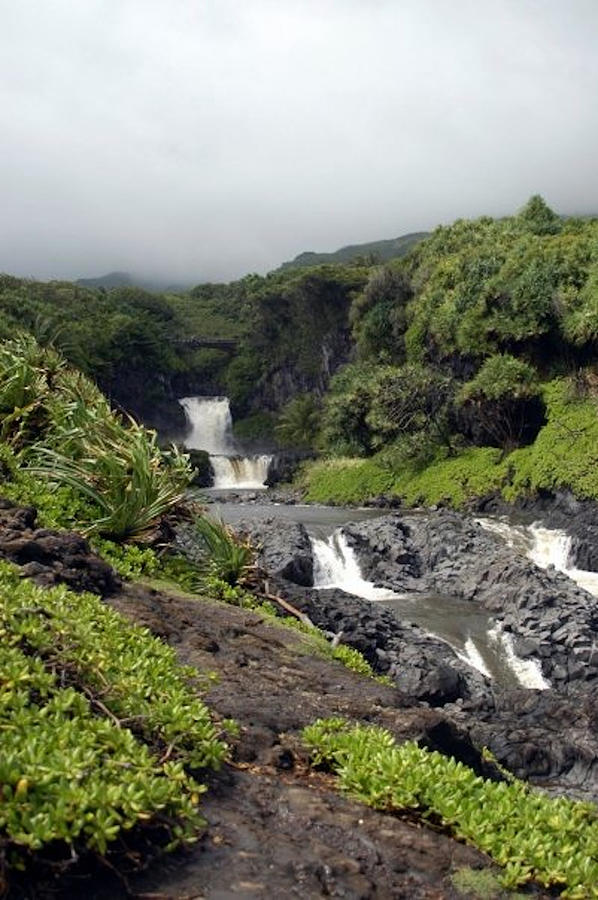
(280, 384)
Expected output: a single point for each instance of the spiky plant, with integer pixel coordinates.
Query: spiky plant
(224, 555)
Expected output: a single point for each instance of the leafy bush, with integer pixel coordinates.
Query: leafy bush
(503, 402)
(299, 422)
(65, 430)
(98, 723)
(408, 400)
(536, 838)
(378, 315)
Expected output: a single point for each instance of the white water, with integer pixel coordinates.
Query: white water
(240, 471)
(472, 656)
(211, 430)
(336, 566)
(528, 671)
(545, 547)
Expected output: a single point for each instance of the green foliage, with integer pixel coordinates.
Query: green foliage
(256, 428)
(502, 399)
(129, 560)
(345, 429)
(410, 400)
(488, 286)
(501, 376)
(539, 218)
(534, 837)
(67, 434)
(481, 884)
(98, 724)
(299, 422)
(378, 315)
(565, 453)
(345, 481)
(224, 555)
(135, 673)
(291, 317)
(372, 252)
(101, 332)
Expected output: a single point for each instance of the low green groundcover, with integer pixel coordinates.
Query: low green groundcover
(552, 841)
(99, 726)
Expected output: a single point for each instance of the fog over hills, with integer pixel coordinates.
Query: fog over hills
(214, 139)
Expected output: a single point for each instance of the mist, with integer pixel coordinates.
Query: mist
(194, 141)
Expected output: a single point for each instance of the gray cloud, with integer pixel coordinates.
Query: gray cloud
(208, 138)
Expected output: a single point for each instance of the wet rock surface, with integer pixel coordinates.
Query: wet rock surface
(561, 510)
(550, 737)
(554, 621)
(276, 828)
(52, 557)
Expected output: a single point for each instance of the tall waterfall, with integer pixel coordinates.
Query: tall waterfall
(212, 430)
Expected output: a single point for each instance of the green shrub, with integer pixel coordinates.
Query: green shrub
(340, 481)
(134, 673)
(299, 422)
(535, 838)
(99, 725)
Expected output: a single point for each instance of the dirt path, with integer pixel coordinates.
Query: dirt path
(277, 830)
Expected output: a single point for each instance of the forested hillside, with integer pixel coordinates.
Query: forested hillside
(465, 367)
(474, 368)
(371, 253)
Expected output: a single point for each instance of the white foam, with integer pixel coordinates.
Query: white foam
(528, 672)
(211, 430)
(336, 566)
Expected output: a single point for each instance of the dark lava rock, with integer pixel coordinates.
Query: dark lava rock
(284, 548)
(423, 666)
(561, 510)
(52, 557)
(448, 553)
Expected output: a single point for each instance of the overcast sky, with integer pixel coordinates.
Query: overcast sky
(203, 139)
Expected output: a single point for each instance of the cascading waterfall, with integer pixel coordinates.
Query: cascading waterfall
(528, 671)
(211, 430)
(545, 547)
(336, 566)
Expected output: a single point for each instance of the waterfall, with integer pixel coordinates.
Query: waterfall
(545, 547)
(212, 430)
(336, 566)
(528, 671)
(211, 424)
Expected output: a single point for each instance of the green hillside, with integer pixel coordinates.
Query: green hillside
(369, 253)
(475, 368)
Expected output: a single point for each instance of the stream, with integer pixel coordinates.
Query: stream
(471, 632)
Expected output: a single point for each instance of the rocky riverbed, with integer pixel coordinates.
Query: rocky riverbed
(547, 736)
(275, 828)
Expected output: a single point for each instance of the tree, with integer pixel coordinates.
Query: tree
(299, 422)
(502, 405)
(538, 217)
(412, 399)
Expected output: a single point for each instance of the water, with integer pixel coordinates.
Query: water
(545, 547)
(336, 566)
(473, 635)
(212, 430)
